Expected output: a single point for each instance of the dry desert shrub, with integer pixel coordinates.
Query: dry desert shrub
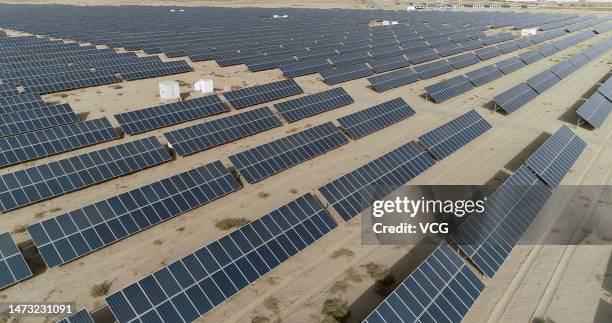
(101, 290)
(231, 223)
(19, 229)
(336, 308)
(342, 252)
(542, 320)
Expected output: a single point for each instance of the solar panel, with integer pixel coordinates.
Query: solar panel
(515, 97)
(451, 49)
(74, 234)
(46, 181)
(432, 69)
(187, 141)
(595, 110)
(484, 75)
(487, 53)
(372, 119)
(422, 56)
(47, 142)
(547, 50)
(148, 70)
(441, 289)
(556, 156)
(262, 93)
(8, 90)
(13, 267)
(346, 73)
(304, 67)
(447, 89)
(461, 61)
(160, 116)
(391, 80)
(313, 104)
(196, 283)
(263, 161)
(449, 137)
(606, 89)
(31, 120)
(388, 64)
(563, 69)
(543, 81)
(471, 44)
(20, 102)
(531, 56)
(507, 47)
(81, 316)
(488, 238)
(354, 192)
(510, 65)
(578, 60)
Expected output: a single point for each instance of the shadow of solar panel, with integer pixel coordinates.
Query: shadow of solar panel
(13, 267)
(441, 289)
(262, 93)
(487, 53)
(507, 47)
(81, 316)
(484, 75)
(391, 80)
(447, 89)
(606, 89)
(449, 137)
(46, 181)
(263, 161)
(51, 141)
(547, 50)
(595, 110)
(304, 67)
(196, 283)
(510, 65)
(372, 119)
(543, 81)
(555, 157)
(471, 44)
(388, 64)
(346, 73)
(187, 141)
(563, 69)
(31, 120)
(488, 238)
(143, 120)
(422, 56)
(20, 102)
(72, 235)
(531, 56)
(142, 71)
(461, 61)
(515, 97)
(354, 192)
(313, 104)
(432, 69)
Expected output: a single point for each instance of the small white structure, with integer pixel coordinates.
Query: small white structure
(203, 86)
(410, 8)
(394, 22)
(227, 88)
(526, 32)
(169, 90)
(386, 22)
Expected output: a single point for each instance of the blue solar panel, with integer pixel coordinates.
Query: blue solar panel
(354, 192)
(461, 61)
(367, 121)
(263, 161)
(81, 316)
(531, 56)
(487, 239)
(262, 93)
(160, 116)
(13, 267)
(595, 110)
(187, 141)
(36, 119)
(515, 97)
(487, 53)
(196, 283)
(606, 89)
(391, 80)
(454, 134)
(346, 73)
(74, 234)
(447, 89)
(563, 69)
(432, 69)
(441, 289)
(20, 102)
(484, 75)
(389, 63)
(556, 156)
(510, 65)
(313, 104)
(543, 81)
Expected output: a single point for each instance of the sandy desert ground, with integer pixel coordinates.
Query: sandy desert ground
(552, 279)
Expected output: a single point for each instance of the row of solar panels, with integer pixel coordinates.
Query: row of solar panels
(598, 106)
(519, 95)
(455, 86)
(442, 288)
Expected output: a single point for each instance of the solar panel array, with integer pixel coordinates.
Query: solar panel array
(193, 285)
(36, 119)
(515, 97)
(606, 89)
(46, 142)
(555, 157)
(447, 89)
(46, 181)
(263, 161)
(372, 119)
(20, 102)
(451, 136)
(187, 141)
(345, 73)
(253, 95)
(13, 267)
(313, 104)
(595, 110)
(160, 116)
(81, 316)
(74, 234)
(394, 79)
(441, 289)
(484, 75)
(354, 192)
(543, 81)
